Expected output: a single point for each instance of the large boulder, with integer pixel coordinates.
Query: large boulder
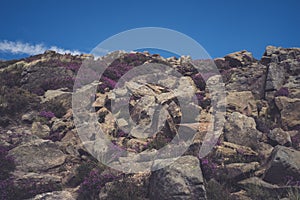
(180, 180)
(242, 102)
(240, 129)
(260, 189)
(289, 111)
(37, 156)
(280, 136)
(36, 183)
(251, 78)
(239, 59)
(284, 162)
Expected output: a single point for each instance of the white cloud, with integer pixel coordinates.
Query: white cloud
(31, 49)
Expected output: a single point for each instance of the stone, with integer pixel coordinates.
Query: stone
(275, 77)
(58, 101)
(37, 156)
(40, 130)
(239, 59)
(240, 195)
(136, 144)
(258, 185)
(100, 101)
(280, 136)
(240, 129)
(242, 102)
(293, 86)
(28, 117)
(238, 170)
(181, 180)
(131, 187)
(284, 161)
(56, 195)
(289, 111)
(52, 94)
(230, 152)
(29, 181)
(58, 125)
(251, 78)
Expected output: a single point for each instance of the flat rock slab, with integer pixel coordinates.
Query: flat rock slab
(37, 156)
(284, 162)
(57, 195)
(180, 180)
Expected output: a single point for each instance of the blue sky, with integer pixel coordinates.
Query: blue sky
(221, 27)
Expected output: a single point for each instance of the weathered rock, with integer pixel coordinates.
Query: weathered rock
(57, 195)
(136, 144)
(40, 130)
(279, 54)
(240, 129)
(280, 137)
(256, 185)
(58, 101)
(239, 59)
(232, 152)
(100, 101)
(293, 86)
(181, 180)
(289, 111)
(28, 117)
(131, 187)
(242, 102)
(284, 162)
(37, 156)
(275, 77)
(29, 181)
(251, 78)
(267, 91)
(239, 170)
(58, 125)
(240, 195)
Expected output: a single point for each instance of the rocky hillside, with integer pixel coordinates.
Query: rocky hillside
(257, 155)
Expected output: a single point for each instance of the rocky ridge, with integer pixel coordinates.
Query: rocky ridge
(256, 157)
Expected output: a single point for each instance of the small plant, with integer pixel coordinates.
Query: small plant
(106, 83)
(92, 184)
(199, 81)
(7, 189)
(282, 92)
(208, 167)
(82, 171)
(47, 114)
(74, 66)
(10, 103)
(7, 165)
(296, 140)
(291, 181)
(200, 98)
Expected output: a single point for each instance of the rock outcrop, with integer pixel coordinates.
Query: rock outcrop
(156, 123)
